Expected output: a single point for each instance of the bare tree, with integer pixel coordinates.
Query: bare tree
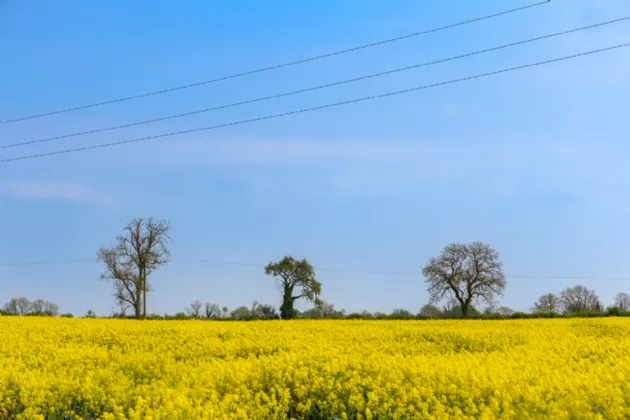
(622, 301)
(326, 309)
(212, 310)
(505, 311)
(142, 249)
(11, 307)
(255, 306)
(468, 273)
(450, 305)
(491, 309)
(37, 306)
(194, 309)
(50, 308)
(579, 299)
(124, 306)
(23, 306)
(263, 311)
(547, 303)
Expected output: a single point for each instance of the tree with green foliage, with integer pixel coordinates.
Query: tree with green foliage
(294, 276)
(400, 313)
(240, 313)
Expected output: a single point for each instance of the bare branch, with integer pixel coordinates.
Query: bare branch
(547, 303)
(622, 301)
(140, 250)
(467, 273)
(579, 299)
(194, 309)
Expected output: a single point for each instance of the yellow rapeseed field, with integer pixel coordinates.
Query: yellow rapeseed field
(115, 369)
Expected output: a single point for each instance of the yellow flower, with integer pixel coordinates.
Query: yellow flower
(121, 369)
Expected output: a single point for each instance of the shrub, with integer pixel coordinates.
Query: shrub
(401, 314)
(589, 314)
(546, 315)
(614, 311)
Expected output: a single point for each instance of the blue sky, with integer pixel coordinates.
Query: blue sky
(532, 162)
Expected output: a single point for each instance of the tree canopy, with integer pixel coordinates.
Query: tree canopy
(579, 299)
(466, 272)
(294, 276)
(547, 303)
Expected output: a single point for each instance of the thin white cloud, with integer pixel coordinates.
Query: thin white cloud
(50, 190)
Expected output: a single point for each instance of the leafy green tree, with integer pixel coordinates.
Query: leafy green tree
(240, 313)
(401, 314)
(294, 276)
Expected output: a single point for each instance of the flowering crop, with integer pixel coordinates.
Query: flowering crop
(53, 368)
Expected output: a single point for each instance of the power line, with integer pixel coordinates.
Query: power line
(278, 66)
(303, 110)
(328, 270)
(296, 92)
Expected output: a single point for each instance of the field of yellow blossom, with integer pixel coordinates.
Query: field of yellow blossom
(53, 368)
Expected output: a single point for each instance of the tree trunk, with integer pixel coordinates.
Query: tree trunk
(465, 307)
(138, 300)
(144, 295)
(286, 310)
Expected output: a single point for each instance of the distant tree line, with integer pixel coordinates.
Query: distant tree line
(459, 280)
(324, 310)
(23, 306)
